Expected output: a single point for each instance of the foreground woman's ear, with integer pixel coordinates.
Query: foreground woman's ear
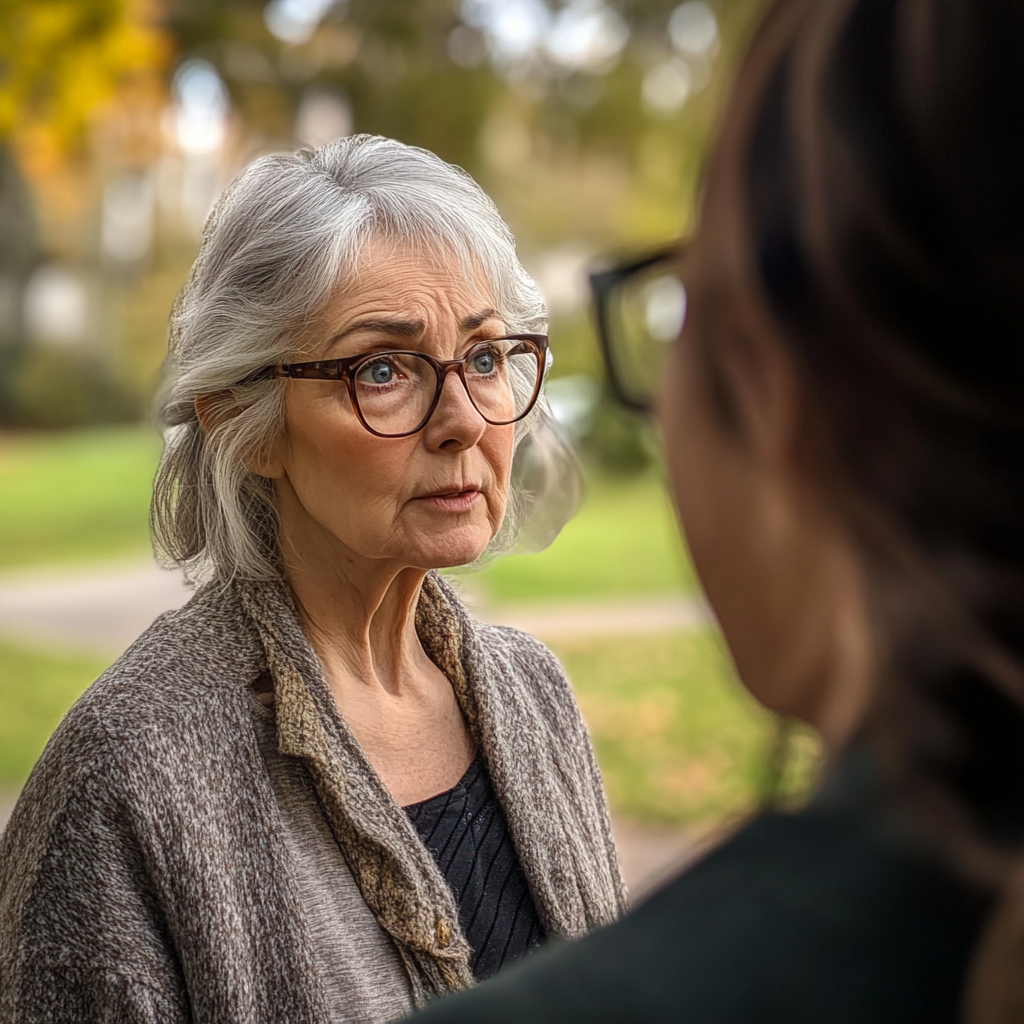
(217, 408)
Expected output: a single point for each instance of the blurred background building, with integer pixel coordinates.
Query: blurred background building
(121, 120)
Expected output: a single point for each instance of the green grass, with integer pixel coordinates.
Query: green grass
(624, 540)
(678, 739)
(36, 689)
(74, 496)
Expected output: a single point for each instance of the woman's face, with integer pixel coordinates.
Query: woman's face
(775, 563)
(429, 500)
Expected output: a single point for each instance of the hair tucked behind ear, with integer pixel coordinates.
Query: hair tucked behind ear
(881, 178)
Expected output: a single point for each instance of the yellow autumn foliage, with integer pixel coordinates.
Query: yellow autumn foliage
(62, 61)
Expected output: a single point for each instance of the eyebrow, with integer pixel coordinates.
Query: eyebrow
(403, 328)
(410, 328)
(475, 320)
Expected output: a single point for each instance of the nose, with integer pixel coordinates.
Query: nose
(455, 424)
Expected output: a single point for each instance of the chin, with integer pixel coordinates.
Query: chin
(454, 548)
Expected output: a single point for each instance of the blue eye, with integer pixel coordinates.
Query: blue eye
(381, 372)
(483, 362)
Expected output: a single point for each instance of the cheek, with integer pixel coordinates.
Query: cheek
(681, 430)
(703, 466)
(336, 466)
(497, 447)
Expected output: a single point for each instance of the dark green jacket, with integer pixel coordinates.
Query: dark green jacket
(829, 916)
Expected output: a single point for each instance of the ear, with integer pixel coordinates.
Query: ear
(217, 408)
(214, 409)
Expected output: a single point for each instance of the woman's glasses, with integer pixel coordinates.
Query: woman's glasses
(394, 393)
(640, 307)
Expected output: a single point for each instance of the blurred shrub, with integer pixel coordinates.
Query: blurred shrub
(619, 441)
(59, 388)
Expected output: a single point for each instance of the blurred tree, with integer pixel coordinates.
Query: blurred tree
(61, 60)
(18, 253)
(453, 75)
(586, 120)
(63, 65)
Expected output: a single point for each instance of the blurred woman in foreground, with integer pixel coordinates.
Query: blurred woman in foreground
(844, 417)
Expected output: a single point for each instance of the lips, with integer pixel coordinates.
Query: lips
(460, 500)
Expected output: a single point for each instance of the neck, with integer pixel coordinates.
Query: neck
(360, 617)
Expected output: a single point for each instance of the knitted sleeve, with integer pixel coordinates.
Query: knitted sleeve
(81, 936)
(49, 992)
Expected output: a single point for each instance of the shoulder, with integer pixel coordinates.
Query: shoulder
(165, 707)
(796, 919)
(187, 663)
(506, 662)
(522, 669)
(162, 744)
(533, 662)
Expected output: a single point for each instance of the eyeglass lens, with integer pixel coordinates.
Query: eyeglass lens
(646, 313)
(395, 390)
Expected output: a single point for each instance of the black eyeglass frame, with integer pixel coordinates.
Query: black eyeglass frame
(345, 369)
(603, 284)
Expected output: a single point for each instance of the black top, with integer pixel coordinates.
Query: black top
(831, 915)
(466, 831)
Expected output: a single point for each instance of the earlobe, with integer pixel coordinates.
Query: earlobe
(267, 463)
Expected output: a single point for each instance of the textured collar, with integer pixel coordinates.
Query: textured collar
(549, 787)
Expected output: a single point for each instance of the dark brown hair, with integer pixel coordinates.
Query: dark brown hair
(877, 151)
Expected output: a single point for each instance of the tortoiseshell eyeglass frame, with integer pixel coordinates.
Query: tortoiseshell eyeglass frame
(344, 371)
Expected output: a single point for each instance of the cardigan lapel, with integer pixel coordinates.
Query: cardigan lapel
(396, 874)
(510, 689)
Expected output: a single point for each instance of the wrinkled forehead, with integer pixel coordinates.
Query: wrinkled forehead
(402, 291)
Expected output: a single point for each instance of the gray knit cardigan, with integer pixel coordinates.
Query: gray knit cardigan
(143, 874)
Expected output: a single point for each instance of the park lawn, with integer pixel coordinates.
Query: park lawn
(36, 689)
(677, 739)
(77, 495)
(623, 541)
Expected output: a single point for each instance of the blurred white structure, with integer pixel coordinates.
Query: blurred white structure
(693, 29)
(586, 35)
(322, 117)
(561, 276)
(295, 21)
(666, 87)
(583, 35)
(197, 124)
(126, 232)
(573, 400)
(57, 306)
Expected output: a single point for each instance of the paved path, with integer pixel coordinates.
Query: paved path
(105, 609)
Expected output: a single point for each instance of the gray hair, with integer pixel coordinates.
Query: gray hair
(280, 240)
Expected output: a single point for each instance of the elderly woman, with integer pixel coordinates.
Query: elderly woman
(321, 791)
